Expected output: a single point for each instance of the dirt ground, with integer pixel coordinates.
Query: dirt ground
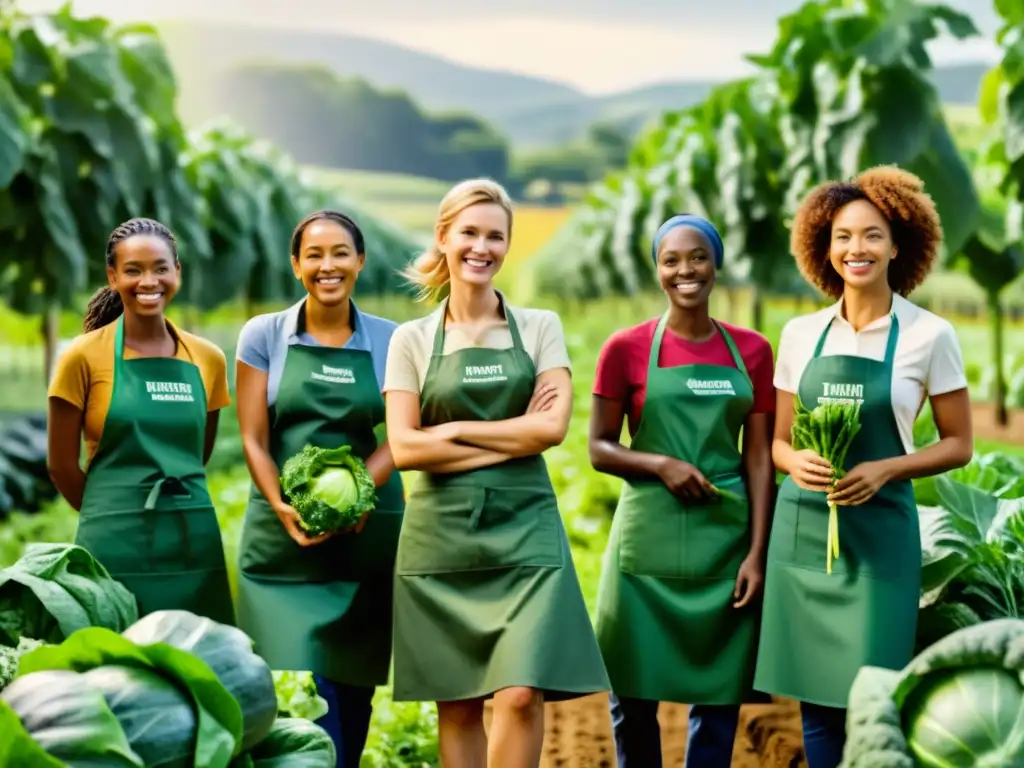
(986, 427)
(579, 735)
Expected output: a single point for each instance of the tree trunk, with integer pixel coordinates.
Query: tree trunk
(995, 322)
(50, 328)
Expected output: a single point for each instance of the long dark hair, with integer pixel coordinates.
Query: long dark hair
(105, 306)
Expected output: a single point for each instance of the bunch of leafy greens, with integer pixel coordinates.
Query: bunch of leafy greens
(174, 691)
(958, 703)
(330, 488)
(828, 430)
(297, 696)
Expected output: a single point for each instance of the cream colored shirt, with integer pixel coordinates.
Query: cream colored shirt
(928, 359)
(413, 343)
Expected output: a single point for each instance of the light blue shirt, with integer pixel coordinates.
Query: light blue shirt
(264, 341)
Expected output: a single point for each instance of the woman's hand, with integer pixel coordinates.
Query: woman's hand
(749, 581)
(290, 520)
(684, 480)
(860, 484)
(811, 472)
(543, 397)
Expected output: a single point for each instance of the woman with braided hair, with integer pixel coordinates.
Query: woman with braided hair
(312, 374)
(147, 397)
(867, 243)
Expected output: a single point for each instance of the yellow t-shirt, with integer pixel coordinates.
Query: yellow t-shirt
(84, 375)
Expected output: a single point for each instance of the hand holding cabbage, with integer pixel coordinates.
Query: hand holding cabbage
(330, 489)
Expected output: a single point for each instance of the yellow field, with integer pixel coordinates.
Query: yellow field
(533, 227)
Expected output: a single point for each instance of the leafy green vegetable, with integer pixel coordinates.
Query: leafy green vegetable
(55, 718)
(828, 430)
(958, 704)
(297, 695)
(292, 743)
(54, 590)
(217, 716)
(330, 488)
(10, 657)
(228, 651)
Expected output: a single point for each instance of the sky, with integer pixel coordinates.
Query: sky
(598, 46)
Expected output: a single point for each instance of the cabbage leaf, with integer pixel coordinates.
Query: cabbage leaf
(54, 590)
(291, 743)
(329, 488)
(218, 717)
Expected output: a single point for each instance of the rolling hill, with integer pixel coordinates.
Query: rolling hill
(530, 111)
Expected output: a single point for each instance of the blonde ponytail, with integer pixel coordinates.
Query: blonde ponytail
(430, 269)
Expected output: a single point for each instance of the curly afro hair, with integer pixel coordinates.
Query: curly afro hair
(900, 197)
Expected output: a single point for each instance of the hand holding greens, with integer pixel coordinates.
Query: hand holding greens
(329, 488)
(828, 430)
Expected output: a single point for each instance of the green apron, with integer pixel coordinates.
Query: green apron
(146, 510)
(818, 629)
(324, 608)
(665, 617)
(486, 594)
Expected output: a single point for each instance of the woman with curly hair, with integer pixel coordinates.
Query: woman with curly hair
(867, 243)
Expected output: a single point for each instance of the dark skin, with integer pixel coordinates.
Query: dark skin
(328, 265)
(862, 235)
(146, 276)
(686, 270)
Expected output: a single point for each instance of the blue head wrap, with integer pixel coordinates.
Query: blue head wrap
(697, 222)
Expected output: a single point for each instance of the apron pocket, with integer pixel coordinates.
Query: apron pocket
(455, 528)
(369, 553)
(662, 537)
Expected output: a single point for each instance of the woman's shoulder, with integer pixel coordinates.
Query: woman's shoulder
(922, 320)
(747, 338)
(806, 327)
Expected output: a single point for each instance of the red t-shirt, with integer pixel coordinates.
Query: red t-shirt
(622, 365)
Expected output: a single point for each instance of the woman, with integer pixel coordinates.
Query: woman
(487, 602)
(677, 607)
(319, 603)
(146, 396)
(868, 243)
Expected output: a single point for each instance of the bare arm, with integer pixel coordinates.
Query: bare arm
(414, 448)
(381, 464)
(253, 422)
(952, 413)
(783, 455)
(63, 453)
(210, 439)
(608, 454)
(757, 461)
(529, 434)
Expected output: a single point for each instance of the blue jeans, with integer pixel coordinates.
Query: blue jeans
(824, 734)
(709, 744)
(347, 721)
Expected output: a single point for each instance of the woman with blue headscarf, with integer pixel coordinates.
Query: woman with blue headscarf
(678, 607)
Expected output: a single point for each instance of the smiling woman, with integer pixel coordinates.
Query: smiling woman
(146, 396)
(311, 375)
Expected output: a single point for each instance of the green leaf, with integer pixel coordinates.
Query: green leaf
(990, 94)
(13, 137)
(219, 716)
(17, 747)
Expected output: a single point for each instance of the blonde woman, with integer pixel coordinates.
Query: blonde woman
(487, 602)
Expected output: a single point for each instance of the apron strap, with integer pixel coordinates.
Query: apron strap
(737, 358)
(659, 334)
(890, 345)
(821, 339)
(517, 340)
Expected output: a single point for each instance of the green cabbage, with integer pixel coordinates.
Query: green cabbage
(329, 488)
(959, 704)
(291, 743)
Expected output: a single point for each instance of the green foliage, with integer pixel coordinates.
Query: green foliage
(88, 134)
(844, 87)
(1002, 96)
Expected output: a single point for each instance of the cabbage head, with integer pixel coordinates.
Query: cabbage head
(330, 488)
(960, 703)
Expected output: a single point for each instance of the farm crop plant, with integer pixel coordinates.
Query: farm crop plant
(844, 87)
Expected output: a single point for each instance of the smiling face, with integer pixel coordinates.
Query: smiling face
(328, 263)
(861, 246)
(145, 274)
(475, 244)
(686, 267)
